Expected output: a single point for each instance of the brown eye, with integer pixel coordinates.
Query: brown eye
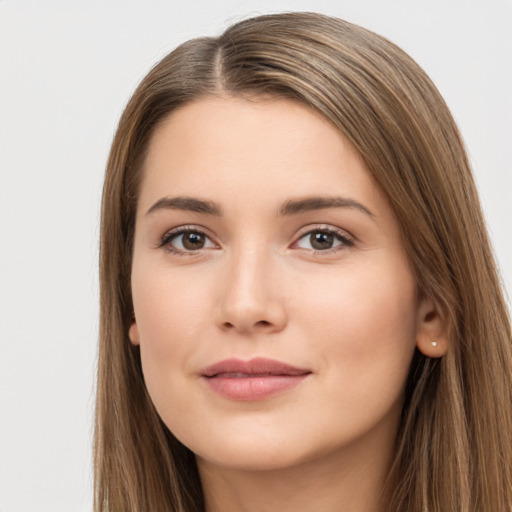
(183, 241)
(193, 240)
(324, 240)
(321, 240)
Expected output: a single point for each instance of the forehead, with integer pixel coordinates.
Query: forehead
(262, 150)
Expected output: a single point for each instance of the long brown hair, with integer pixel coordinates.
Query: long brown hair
(454, 445)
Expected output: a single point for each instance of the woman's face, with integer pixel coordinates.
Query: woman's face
(276, 309)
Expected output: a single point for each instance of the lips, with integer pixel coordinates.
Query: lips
(251, 380)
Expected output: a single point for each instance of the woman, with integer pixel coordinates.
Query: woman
(299, 304)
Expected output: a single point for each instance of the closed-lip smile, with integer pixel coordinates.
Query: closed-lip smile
(252, 380)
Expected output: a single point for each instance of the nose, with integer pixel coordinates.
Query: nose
(251, 295)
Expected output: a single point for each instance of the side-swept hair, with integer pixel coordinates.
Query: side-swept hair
(454, 445)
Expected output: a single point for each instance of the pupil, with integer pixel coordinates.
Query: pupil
(321, 240)
(193, 241)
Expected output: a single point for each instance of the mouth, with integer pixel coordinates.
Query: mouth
(256, 379)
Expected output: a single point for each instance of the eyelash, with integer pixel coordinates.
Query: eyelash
(174, 233)
(340, 236)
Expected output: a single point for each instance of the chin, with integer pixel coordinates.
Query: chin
(264, 452)
(254, 458)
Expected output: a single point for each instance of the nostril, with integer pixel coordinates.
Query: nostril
(260, 323)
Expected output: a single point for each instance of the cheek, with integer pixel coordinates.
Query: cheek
(171, 314)
(364, 327)
(168, 304)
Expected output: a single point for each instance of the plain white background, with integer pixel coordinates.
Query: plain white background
(67, 69)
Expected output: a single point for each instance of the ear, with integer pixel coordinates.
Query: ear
(133, 333)
(431, 335)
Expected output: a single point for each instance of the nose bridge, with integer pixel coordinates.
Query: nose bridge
(250, 297)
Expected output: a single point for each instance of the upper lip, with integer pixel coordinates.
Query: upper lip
(258, 366)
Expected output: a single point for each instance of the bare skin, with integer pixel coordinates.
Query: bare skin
(334, 483)
(261, 234)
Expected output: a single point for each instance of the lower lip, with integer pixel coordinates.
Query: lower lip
(253, 388)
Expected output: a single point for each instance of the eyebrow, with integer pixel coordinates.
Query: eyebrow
(293, 207)
(189, 204)
(289, 207)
